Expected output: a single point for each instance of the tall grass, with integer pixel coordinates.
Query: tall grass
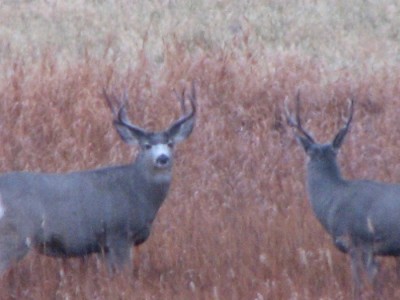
(236, 224)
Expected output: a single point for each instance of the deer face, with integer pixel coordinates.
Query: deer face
(318, 152)
(156, 148)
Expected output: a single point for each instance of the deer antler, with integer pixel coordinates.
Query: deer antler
(297, 123)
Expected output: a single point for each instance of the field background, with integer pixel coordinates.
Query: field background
(236, 224)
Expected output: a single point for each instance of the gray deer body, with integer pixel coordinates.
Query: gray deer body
(361, 216)
(104, 210)
(365, 213)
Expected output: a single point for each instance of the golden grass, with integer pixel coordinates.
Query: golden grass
(236, 224)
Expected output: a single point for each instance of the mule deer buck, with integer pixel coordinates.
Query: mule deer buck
(105, 210)
(361, 216)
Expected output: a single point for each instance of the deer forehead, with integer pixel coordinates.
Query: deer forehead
(321, 152)
(158, 138)
(322, 148)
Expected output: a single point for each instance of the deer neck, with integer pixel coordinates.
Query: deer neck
(323, 179)
(153, 182)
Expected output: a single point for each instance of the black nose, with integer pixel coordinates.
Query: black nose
(162, 160)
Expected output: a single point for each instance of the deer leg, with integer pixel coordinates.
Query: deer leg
(372, 268)
(12, 249)
(397, 258)
(371, 265)
(118, 253)
(83, 264)
(356, 257)
(136, 257)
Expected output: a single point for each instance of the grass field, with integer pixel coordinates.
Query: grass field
(236, 223)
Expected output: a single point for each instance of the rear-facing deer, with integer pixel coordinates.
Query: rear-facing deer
(361, 216)
(105, 210)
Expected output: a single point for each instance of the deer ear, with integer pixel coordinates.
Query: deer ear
(304, 142)
(181, 130)
(129, 134)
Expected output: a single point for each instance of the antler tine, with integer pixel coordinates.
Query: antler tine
(122, 115)
(338, 140)
(346, 127)
(109, 102)
(289, 118)
(181, 99)
(193, 96)
(350, 118)
(124, 98)
(298, 120)
(192, 99)
(119, 113)
(297, 124)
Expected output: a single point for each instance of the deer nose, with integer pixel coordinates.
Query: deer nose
(162, 160)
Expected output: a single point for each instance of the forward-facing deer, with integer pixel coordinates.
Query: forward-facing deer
(104, 210)
(361, 216)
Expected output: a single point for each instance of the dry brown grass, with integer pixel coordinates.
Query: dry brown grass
(236, 224)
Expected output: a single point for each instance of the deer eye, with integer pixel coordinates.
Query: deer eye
(170, 144)
(147, 146)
